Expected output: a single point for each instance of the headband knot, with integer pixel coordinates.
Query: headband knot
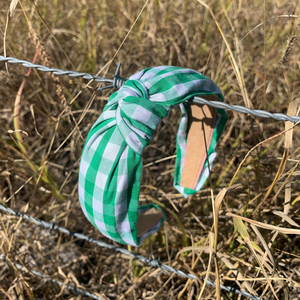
(137, 117)
(111, 165)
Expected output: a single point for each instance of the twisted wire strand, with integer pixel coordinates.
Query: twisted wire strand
(118, 81)
(73, 289)
(114, 83)
(150, 261)
(245, 110)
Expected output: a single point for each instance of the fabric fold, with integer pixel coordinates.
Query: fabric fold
(111, 164)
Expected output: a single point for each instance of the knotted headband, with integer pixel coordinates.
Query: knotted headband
(111, 164)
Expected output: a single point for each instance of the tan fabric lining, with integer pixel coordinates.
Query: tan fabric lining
(202, 122)
(148, 220)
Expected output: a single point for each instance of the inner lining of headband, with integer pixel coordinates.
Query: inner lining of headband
(202, 120)
(148, 220)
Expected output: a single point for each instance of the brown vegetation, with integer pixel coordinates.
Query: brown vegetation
(241, 45)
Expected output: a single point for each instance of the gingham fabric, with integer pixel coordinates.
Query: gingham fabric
(111, 164)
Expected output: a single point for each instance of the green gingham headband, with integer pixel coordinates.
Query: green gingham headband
(111, 163)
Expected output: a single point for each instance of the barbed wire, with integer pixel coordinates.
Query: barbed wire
(150, 261)
(245, 110)
(118, 81)
(74, 289)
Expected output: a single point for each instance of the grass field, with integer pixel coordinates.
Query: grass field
(249, 49)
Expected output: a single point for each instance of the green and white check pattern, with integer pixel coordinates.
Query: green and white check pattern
(111, 164)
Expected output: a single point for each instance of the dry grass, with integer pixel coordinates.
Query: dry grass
(253, 65)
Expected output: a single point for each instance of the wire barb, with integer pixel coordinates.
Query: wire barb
(150, 261)
(117, 82)
(53, 225)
